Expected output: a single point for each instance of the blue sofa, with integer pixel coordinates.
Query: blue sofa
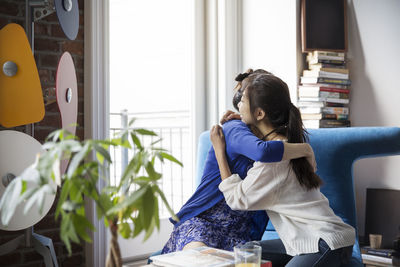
(336, 150)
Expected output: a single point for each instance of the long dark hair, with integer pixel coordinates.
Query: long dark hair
(271, 94)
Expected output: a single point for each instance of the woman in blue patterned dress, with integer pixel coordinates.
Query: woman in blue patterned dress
(206, 219)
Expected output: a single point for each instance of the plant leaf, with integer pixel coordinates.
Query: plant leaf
(81, 224)
(120, 142)
(76, 160)
(129, 170)
(142, 180)
(147, 207)
(156, 213)
(131, 121)
(102, 151)
(138, 228)
(56, 172)
(125, 230)
(163, 198)
(149, 230)
(10, 200)
(145, 132)
(155, 142)
(132, 198)
(63, 196)
(151, 172)
(170, 158)
(136, 140)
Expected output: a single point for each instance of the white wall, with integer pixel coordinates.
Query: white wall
(374, 53)
(271, 41)
(270, 33)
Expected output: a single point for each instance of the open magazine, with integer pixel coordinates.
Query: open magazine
(199, 257)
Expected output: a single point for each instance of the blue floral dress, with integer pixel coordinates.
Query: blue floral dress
(218, 227)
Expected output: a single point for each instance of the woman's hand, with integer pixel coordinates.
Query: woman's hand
(217, 138)
(299, 150)
(229, 115)
(218, 142)
(311, 157)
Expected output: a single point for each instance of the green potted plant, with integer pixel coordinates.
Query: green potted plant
(127, 208)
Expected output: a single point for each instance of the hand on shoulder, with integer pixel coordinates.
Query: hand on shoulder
(229, 115)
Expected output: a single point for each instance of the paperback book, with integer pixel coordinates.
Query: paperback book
(325, 74)
(390, 261)
(320, 116)
(315, 89)
(315, 80)
(325, 99)
(199, 257)
(380, 252)
(322, 94)
(328, 67)
(323, 123)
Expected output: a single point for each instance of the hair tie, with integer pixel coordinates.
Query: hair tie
(241, 76)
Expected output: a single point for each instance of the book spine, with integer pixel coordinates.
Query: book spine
(335, 75)
(334, 81)
(331, 104)
(334, 90)
(327, 94)
(333, 123)
(335, 70)
(335, 110)
(326, 53)
(339, 117)
(326, 65)
(325, 56)
(379, 252)
(339, 86)
(309, 110)
(377, 258)
(307, 84)
(325, 99)
(326, 61)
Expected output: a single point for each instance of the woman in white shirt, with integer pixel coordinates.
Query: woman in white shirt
(310, 233)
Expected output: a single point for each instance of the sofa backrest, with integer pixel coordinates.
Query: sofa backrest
(336, 150)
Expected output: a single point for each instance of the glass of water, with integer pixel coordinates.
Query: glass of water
(247, 255)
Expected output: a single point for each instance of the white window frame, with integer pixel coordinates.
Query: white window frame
(223, 55)
(96, 108)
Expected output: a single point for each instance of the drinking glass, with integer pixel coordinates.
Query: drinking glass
(247, 255)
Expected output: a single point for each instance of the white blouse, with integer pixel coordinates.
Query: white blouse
(300, 216)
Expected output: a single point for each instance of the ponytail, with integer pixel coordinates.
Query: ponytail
(271, 94)
(301, 167)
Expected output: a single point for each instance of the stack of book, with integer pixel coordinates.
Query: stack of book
(324, 91)
(380, 257)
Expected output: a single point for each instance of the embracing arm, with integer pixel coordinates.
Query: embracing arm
(242, 141)
(250, 193)
(256, 192)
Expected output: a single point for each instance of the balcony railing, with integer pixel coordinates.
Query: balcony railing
(174, 130)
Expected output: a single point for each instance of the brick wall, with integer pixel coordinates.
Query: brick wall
(50, 43)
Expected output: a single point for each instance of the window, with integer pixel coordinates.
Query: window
(152, 79)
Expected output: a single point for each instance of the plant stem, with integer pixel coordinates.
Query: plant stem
(114, 254)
